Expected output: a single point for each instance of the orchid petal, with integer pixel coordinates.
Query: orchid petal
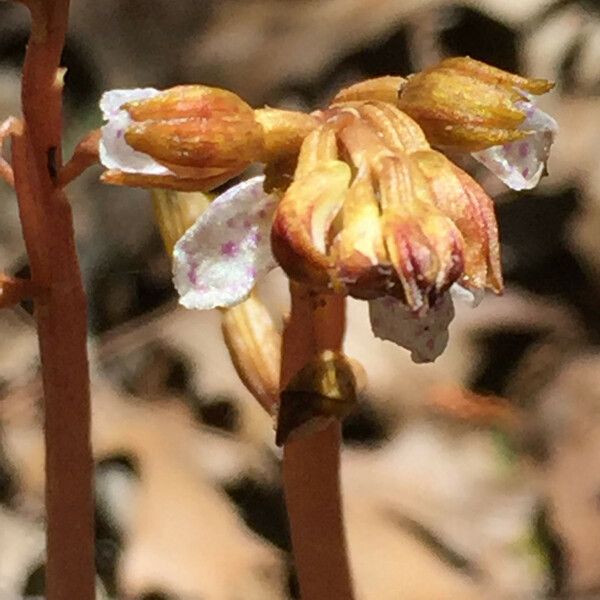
(425, 336)
(115, 153)
(112, 101)
(220, 258)
(521, 164)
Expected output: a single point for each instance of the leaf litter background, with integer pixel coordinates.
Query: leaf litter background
(446, 498)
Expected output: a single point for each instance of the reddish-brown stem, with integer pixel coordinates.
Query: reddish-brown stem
(60, 311)
(311, 461)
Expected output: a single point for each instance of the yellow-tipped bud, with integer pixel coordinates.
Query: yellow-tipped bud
(191, 127)
(468, 105)
(191, 137)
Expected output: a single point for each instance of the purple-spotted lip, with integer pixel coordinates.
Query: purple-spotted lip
(219, 259)
(523, 149)
(230, 249)
(522, 163)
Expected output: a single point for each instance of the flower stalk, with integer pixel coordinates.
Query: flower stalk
(60, 311)
(311, 460)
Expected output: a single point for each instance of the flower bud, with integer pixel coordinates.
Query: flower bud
(194, 126)
(468, 105)
(190, 137)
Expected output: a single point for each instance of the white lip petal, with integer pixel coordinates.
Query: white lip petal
(220, 258)
(111, 101)
(114, 151)
(425, 336)
(521, 164)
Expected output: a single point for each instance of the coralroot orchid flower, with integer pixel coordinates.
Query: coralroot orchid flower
(356, 201)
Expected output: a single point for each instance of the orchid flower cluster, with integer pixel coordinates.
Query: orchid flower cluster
(356, 199)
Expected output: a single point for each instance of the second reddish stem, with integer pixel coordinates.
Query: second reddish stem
(60, 310)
